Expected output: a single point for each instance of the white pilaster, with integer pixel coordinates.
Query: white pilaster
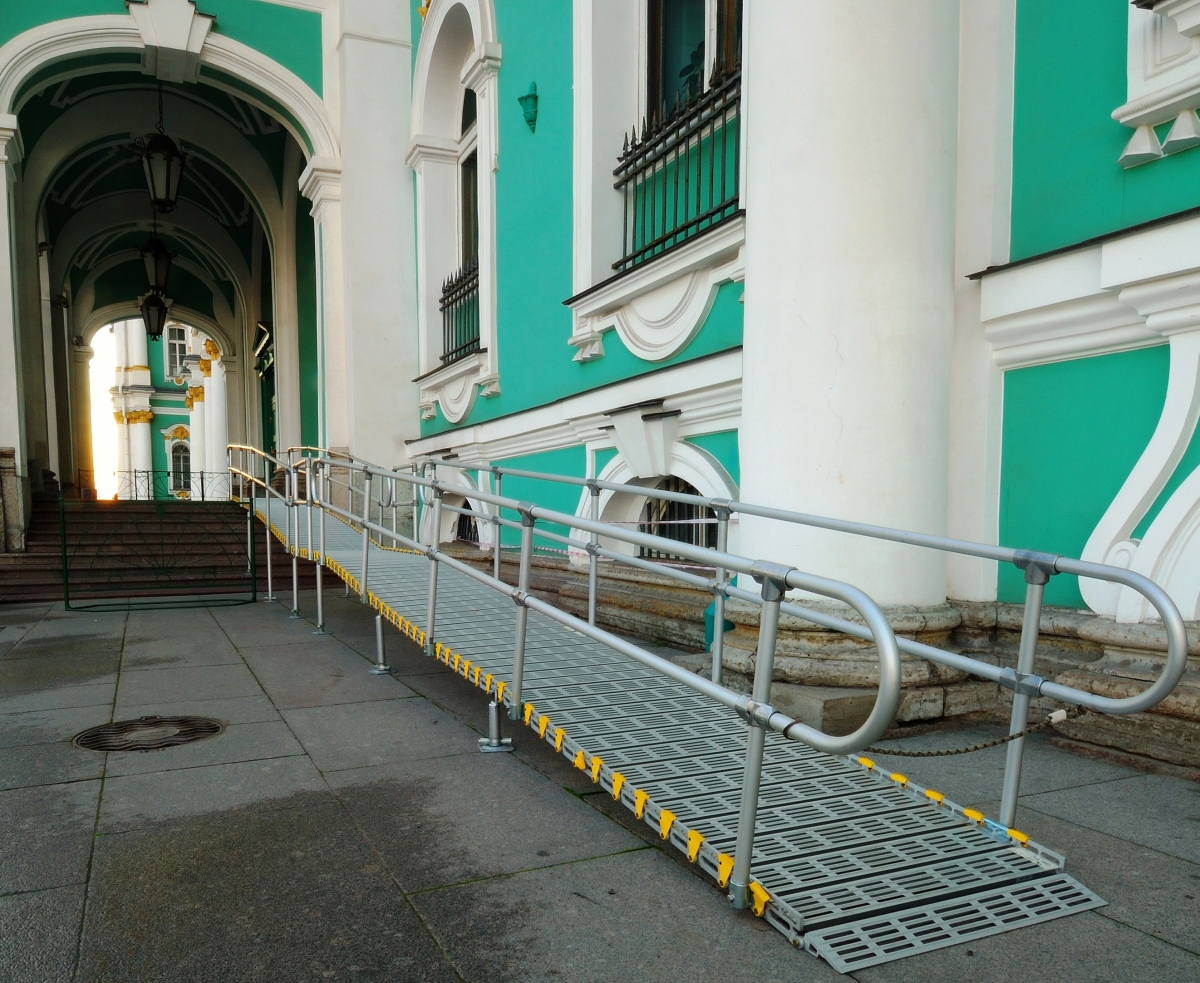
(12, 430)
(850, 177)
(196, 427)
(215, 399)
(321, 183)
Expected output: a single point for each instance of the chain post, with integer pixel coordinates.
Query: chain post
(773, 588)
(1037, 575)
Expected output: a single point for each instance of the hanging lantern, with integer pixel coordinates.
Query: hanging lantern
(157, 259)
(154, 314)
(163, 163)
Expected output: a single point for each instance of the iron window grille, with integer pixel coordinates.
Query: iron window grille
(181, 467)
(460, 314)
(466, 530)
(683, 522)
(679, 178)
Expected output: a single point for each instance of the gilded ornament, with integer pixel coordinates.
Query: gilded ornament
(211, 349)
(206, 366)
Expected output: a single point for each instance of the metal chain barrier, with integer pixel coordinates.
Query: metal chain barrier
(1057, 717)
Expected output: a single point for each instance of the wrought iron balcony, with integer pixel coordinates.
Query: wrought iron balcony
(680, 176)
(460, 313)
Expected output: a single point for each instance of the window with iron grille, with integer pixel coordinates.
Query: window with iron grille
(460, 292)
(466, 530)
(679, 175)
(181, 467)
(683, 522)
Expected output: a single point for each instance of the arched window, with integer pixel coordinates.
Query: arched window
(681, 521)
(181, 467)
(466, 530)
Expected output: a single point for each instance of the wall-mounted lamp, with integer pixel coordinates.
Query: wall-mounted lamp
(529, 103)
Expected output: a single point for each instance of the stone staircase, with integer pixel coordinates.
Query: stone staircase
(140, 549)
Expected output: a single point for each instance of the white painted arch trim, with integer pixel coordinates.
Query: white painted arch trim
(47, 43)
(689, 462)
(466, 484)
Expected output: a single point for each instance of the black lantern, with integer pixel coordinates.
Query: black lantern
(154, 314)
(163, 163)
(157, 259)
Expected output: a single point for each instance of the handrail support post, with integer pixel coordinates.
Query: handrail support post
(593, 560)
(756, 735)
(366, 533)
(522, 610)
(435, 535)
(1036, 578)
(320, 559)
(496, 527)
(718, 642)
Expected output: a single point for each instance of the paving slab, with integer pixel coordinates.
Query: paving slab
(1152, 810)
(1150, 891)
(323, 674)
(440, 821)
(48, 764)
(25, 614)
(635, 916)
(59, 697)
(185, 684)
(234, 710)
(237, 742)
(47, 835)
(67, 645)
(290, 893)
(36, 675)
(357, 735)
(132, 801)
(50, 726)
(40, 934)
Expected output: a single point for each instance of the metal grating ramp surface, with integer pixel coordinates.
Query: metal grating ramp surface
(860, 867)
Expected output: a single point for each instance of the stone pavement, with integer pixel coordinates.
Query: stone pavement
(344, 826)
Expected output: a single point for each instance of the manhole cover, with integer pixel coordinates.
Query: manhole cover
(147, 733)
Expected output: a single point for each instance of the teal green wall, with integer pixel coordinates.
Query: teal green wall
(1067, 186)
(306, 322)
(603, 456)
(723, 446)
(1072, 433)
(290, 36)
(570, 461)
(18, 15)
(534, 216)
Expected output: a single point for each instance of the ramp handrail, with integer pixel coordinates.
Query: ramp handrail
(775, 579)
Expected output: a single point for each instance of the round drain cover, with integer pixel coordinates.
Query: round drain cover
(147, 733)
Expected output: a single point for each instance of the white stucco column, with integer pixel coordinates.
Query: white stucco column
(216, 422)
(81, 408)
(321, 183)
(197, 444)
(377, 212)
(850, 192)
(11, 411)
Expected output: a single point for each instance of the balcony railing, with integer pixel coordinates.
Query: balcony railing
(680, 176)
(460, 314)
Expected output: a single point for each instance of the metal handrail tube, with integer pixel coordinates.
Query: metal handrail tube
(888, 697)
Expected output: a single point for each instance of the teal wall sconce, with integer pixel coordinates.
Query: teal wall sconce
(529, 103)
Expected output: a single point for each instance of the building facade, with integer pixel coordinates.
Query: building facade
(925, 264)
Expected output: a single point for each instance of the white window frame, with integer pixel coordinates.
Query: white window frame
(176, 371)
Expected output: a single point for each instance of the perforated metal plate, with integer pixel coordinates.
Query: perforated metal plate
(861, 868)
(934, 926)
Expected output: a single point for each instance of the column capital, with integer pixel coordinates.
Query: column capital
(321, 183)
(10, 138)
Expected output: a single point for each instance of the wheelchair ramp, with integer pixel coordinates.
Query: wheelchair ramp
(856, 866)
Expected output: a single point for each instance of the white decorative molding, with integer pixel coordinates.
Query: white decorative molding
(1137, 290)
(454, 386)
(1163, 80)
(321, 183)
(174, 31)
(657, 308)
(706, 392)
